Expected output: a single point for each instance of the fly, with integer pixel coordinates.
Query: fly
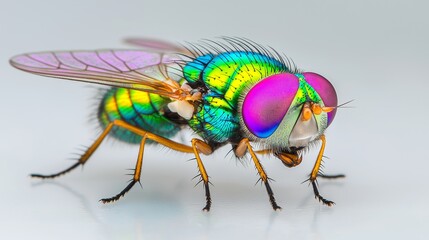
(229, 92)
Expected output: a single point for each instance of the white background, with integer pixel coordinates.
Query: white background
(375, 52)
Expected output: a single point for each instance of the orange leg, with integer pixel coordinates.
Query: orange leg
(264, 151)
(136, 178)
(288, 159)
(244, 145)
(292, 160)
(82, 160)
(198, 146)
(315, 173)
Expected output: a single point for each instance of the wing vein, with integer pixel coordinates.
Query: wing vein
(37, 60)
(106, 62)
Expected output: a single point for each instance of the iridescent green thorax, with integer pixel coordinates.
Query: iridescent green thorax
(226, 76)
(140, 109)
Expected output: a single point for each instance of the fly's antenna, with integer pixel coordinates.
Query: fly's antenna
(330, 109)
(342, 105)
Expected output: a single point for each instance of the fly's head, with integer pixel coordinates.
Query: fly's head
(288, 111)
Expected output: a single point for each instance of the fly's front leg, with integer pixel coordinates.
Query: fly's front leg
(241, 149)
(331, 176)
(315, 173)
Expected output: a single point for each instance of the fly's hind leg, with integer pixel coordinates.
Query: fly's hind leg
(82, 160)
(244, 145)
(197, 147)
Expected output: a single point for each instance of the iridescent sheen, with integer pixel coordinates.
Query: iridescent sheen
(304, 93)
(215, 119)
(325, 90)
(223, 78)
(192, 70)
(138, 108)
(266, 104)
(236, 92)
(229, 73)
(226, 75)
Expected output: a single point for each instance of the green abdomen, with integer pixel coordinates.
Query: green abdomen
(137, 108)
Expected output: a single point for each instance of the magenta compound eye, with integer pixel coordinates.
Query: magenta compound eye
(266, 104)
(325, 90)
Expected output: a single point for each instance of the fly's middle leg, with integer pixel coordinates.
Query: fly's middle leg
(200, 146)
(136, 176)
(243, 146)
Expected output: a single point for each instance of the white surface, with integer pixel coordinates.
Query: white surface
(375, 52)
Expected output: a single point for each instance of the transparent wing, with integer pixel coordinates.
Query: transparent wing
(158, 45)
(131, 69)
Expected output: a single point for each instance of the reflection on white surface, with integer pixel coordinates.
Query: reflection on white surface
(374, 52)
(168, 206)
